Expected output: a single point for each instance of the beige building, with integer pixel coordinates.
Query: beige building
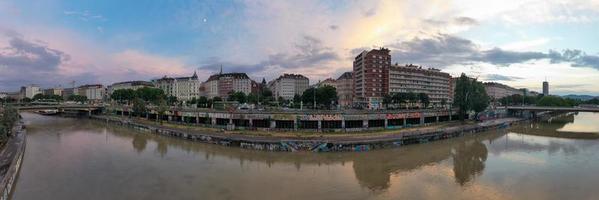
(53, 91)
(30, 91)
(328, 81)
(288, 85)
(497, 90)
(220, 85)
(345, 87)
(93, 92)
(184, 88)
(412, 78)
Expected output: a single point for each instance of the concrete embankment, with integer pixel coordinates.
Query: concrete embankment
(320, 144)
(11, 158)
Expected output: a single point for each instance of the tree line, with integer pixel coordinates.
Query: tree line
(9, 116)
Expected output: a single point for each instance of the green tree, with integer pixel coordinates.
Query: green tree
(202, 102)
(148, 94)
(470, 95)
(308, 96)
(124, 95)
(424, 99)
(10, 116)
(238, 96)
(326, 95)
(161, 109)
(139, 106)
(39, 97)
(252, 98)
(77, 98)
(172, 100)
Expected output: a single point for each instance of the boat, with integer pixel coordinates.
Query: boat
(48, 112)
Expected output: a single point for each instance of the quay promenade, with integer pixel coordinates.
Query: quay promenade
(315, 144)
(294, 120)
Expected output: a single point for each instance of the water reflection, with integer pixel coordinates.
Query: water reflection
(198, 170)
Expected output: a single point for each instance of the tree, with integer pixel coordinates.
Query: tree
(77, 98)
(308, 96)
(470, 95)
(252, 98)
(10, 116)
(149, 94)
(39, 96)
(387, 99)
(238, 96)
(411, 98)
(161, 109)
(443, 102)
(123, 95)
(26, 100)
(139, 106)
(172, 100)
(266, 96)
(326, 95)
(202, 102)
(424, 100)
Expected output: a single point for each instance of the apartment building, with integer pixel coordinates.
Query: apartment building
(220, 85)
(134, 85)
(370, 71)
(498, 90)
(184, 88)
(93, 92)
(415, 79)
(345, 89)
(288, 85)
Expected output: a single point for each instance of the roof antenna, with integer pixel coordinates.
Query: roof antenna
(221, 69)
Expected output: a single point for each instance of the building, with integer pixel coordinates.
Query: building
(415, 79)
(288, 85)
(93, 92)
(52, 91)
(30, 91)
(134, 85)
(497, 90)
(328, 81)
(184, 88)
(371, 70)
(222, 84)
(545, 88)
(66, 92)
(345, 89)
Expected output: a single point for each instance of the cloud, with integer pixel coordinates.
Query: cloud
(499, 77)
(85, 15)
(443, 50)
(27, 55)
(310, 53)
(66, 58)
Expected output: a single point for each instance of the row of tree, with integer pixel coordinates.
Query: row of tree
(9, 117)
(540, 100)
(408, 99)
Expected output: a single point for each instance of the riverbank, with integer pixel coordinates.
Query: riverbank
(314, 143)
(11, 158)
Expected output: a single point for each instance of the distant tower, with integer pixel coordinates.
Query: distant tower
(545, 88)
(221, 69)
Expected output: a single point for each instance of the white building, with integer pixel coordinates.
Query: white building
(30, 91)
(52, 91)
(94, 92)
(415, 79)
(288, 85)
(184, 88)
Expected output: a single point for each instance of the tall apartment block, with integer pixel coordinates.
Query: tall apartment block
(371, 70)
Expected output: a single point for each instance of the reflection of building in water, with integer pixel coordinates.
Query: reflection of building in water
(372, 169)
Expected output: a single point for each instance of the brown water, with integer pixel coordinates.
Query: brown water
(83, 159)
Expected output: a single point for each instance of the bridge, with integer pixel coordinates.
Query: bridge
(558, 109)
(75, 109)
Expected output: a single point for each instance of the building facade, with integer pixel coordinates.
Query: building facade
(345, 89)
(545, 88)
(497, 90)
(325, 82)
(184, 88)
(371, 70)
(30, 91)
(52, 91)
(288, 85)
(222, 84)
(415, 79)
(93, 92)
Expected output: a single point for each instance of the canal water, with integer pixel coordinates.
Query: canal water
(85, 159)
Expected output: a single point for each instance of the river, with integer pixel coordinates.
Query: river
(84, 159)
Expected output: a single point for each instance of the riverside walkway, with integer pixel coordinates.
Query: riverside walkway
(317, 143)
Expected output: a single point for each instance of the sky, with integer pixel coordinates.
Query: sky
(516, 42)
